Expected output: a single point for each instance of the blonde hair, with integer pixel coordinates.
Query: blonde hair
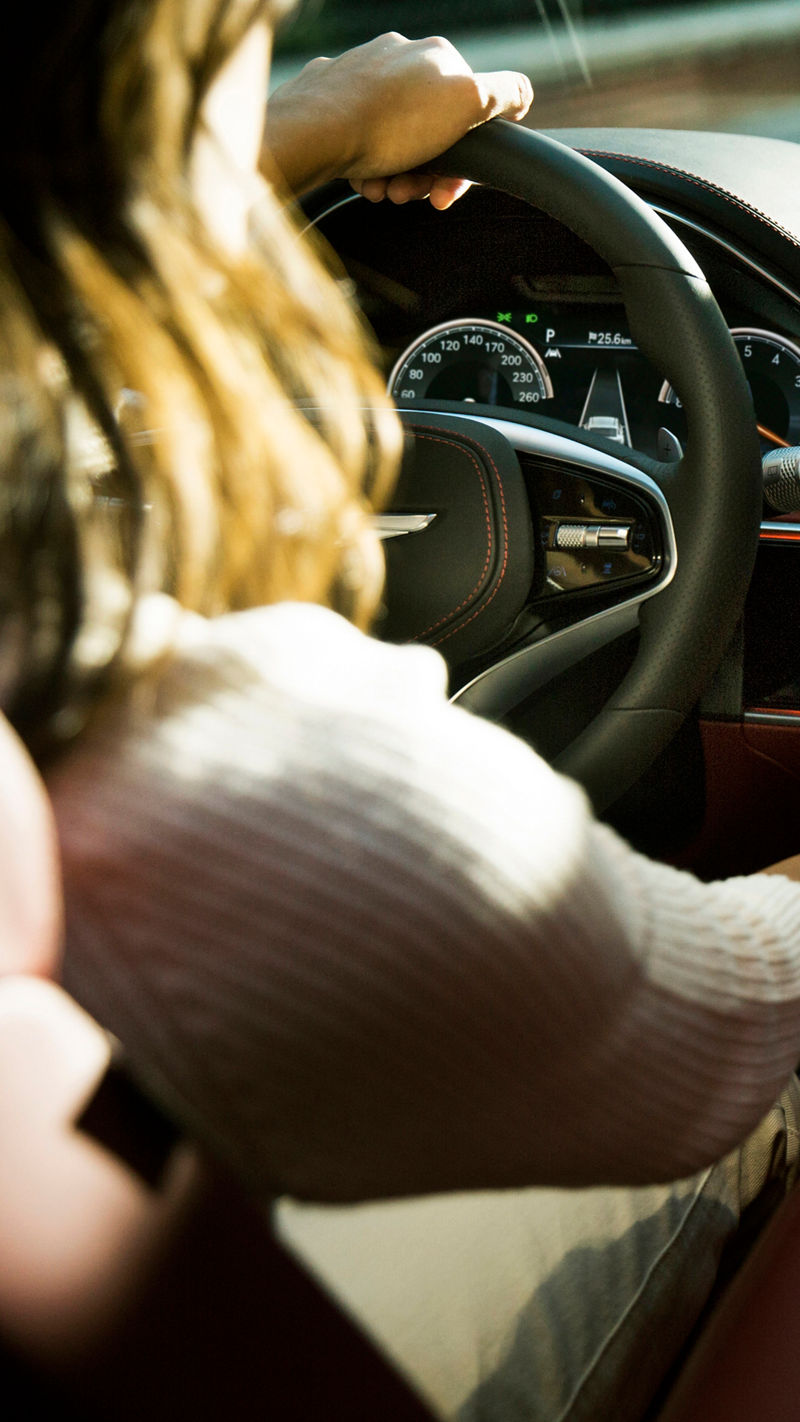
(240, 464)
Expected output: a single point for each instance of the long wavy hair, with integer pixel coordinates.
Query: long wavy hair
(155, 422)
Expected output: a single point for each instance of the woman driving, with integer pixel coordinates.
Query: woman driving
(363, 946)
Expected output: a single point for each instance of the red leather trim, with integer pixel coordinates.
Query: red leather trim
(746, 1367)
(752, 791)
(780, 743)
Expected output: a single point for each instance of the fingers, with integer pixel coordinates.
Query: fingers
(505, 94)
(403, 187)
(373, 189)
(790, 868)
(411, 187)
(445, 191)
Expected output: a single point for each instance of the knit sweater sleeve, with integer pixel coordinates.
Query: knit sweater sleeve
(367, 944)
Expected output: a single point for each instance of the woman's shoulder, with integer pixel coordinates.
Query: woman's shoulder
(309, 651)
(291, 674)
(292, 699)
(267, 694)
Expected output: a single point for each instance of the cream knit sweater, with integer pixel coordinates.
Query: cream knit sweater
(367, 944)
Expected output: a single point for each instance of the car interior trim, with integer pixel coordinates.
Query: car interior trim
(780, 532)
(759, 715)
(662, 209)
(702, 231)
(395, 525)
(502, 687)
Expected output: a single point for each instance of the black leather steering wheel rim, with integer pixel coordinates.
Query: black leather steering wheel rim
(714, 492)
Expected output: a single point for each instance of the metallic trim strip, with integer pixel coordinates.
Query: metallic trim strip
(730, 247)
(780, 532)
(343, 201)
(394, 525)
(503, 686)
(773, 718)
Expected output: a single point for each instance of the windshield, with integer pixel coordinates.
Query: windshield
(732, 65)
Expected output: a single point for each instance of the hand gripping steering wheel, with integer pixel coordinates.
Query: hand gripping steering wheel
(711, 499)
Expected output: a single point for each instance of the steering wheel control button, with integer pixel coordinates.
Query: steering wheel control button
(668, 446)
(591, 532)
(592, 535)
(781, 473)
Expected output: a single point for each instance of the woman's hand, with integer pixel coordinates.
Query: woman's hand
(382, 110)
(30, 879)
(790, 868)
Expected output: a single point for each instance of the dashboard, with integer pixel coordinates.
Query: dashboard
(495, 305)
(579, 364)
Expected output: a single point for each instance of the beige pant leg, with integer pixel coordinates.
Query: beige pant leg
(537, 1305)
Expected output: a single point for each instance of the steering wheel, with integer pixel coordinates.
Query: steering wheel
(707, 505)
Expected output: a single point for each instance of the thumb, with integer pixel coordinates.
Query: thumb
(505, 94)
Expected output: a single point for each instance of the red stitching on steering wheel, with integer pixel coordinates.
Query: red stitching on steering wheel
(457, 441)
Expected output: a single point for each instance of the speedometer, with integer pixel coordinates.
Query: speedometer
(475, 361)
(772, 366)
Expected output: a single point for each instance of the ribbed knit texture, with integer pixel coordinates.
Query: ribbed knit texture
(367, 944)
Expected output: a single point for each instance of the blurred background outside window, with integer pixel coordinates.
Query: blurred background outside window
(732, 65)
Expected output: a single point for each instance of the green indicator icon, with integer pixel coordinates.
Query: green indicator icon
(531, 318)
(504, 315)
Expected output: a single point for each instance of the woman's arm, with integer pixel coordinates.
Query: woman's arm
(789, 868)
(374, 946)
(380, 111)
(30, 890)
(77, 1226)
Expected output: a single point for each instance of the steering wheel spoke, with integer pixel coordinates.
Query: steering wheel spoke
(604, 543)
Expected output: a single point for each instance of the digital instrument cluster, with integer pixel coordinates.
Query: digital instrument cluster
(578, 363)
